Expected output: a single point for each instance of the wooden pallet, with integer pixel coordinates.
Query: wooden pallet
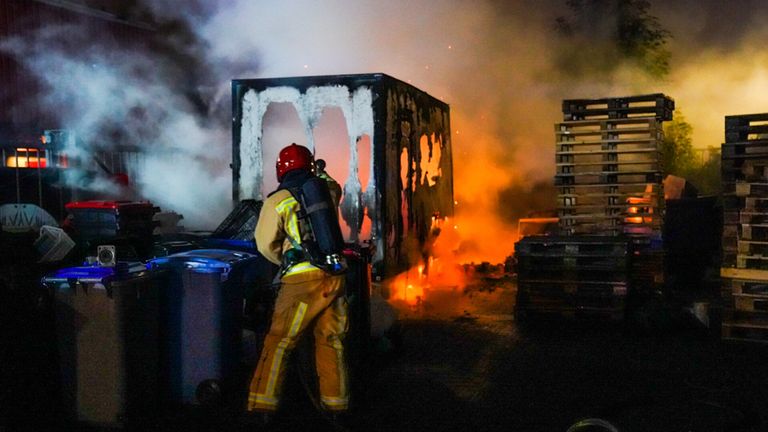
(568, 141)
(559, 246)
(603, 179)
(636, 128)
(734, 203)
(556, 264)
(591, 229)
(753, 218)
(604, 273)
(620, 212)
(598, 142)
(756, 203)
(744, 171)
(744, 274)
(752, 247)
(753, 232)
(738, 151)
(595, 229)
(732, 314)
(637, 189)
(748, 127)
(756, 262)
(605, 197)
(653, 105)
(752, 190)
(585, 288)
(596, 221)
(750, 303)
(747, 287)
(608, 167)
(745, 330)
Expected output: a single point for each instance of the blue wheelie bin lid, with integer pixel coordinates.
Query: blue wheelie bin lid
(203, 260)
(231, 244)
(94, 274)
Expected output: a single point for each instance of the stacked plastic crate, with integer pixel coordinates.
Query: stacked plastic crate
(127, 224)
(745, 230)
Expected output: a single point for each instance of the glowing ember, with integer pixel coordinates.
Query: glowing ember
(438, 269)
(640, 206)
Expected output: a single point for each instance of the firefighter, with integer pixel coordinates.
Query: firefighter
(333, 185)
(308, 299)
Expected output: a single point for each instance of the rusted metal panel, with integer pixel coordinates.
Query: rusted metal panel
(412, 177)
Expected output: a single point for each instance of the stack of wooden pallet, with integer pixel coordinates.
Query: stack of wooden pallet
(610, 201)
(745, 230)
(609, 172)
(572, 276)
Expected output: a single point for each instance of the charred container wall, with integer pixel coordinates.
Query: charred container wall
(409, 132)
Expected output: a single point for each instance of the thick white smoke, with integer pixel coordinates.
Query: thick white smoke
(491, 60)
(111, 95)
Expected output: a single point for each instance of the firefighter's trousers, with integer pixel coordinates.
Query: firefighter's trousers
(310, 299)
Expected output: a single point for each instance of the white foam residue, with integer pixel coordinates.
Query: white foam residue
(362, 124)
(357, 109)
(254, 106)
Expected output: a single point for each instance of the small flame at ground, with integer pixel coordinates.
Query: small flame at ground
(438, 268)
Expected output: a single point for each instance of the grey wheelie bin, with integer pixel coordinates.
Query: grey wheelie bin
(107, 336)
(202, 310)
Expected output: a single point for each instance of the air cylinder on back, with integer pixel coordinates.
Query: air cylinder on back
(322, 215)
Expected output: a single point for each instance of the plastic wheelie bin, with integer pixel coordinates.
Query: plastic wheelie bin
(202, 310)
(107, 337)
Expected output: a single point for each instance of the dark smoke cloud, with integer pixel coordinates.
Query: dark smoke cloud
(520, 201)
(711, 24)
(498, 63)
(602, 34)
(158, 90)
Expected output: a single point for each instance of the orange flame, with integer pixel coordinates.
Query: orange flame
(438, 268)
(640, 205)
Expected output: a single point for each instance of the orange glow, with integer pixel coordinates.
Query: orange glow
(22, 159)
(63, 161)
(534, 226)
(639, 205)
(440, 271)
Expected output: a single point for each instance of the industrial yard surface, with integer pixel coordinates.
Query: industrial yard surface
(482, 371)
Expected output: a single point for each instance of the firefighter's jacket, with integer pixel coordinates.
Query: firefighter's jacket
(278, 230)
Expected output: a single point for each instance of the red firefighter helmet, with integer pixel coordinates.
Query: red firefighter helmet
(292, 158)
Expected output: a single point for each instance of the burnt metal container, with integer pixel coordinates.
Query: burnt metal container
(409, 131)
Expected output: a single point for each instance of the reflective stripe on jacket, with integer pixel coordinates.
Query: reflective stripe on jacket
(278, 230)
